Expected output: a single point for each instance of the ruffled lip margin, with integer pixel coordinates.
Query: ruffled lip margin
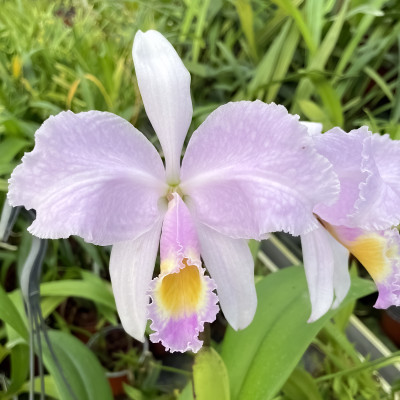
(181, 334)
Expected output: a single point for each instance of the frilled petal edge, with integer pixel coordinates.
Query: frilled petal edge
(251, 168)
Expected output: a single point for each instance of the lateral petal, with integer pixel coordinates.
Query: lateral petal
(251, 168)
(90, 174)
(368, 169)
(231, 266)
(131, 269)
(345, 152)
(379, 204)
(319, 268)
(164, 84)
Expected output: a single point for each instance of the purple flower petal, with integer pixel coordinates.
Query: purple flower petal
(164, 84)
(90, 174)
(368, 168)
(344, 151)
(231, 266)
(131, 269)
(183, 300)
(251, 168)
(179, 237)
(379, 203)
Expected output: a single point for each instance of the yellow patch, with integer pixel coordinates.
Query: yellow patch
(181, 293)
(373, 254)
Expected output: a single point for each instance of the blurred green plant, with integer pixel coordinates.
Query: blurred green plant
(335, 62)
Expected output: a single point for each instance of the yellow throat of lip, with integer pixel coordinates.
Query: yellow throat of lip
(372, 251)
(181, 292)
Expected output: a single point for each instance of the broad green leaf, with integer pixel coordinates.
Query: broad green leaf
(80, 368)
(99, 291)
(11, 316)
(50, 388)
(260, 358)
(4, 352)
(49, 304)
(19, 367)
(187, 393)
(210, 378)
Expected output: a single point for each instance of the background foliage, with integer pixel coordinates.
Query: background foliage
(335, 62)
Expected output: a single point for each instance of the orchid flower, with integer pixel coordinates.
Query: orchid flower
(248, 170)
(360, 222)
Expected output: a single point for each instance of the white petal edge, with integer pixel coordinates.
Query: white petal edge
(313, 128)
(131, 269)
(231, 266)
(318, 265)
(341, 275)
(164, 84)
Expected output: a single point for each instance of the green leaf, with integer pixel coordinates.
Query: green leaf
(11, 316)
(49, 387)
(246, 17)
(260, 358)
(80, 367)
(97, 291)
(314, 13)
(301, 386)
(267, 65)
(254, 246)
(330, 99)
(133, 393)
(210, 378)
(19, 367)
(313, 112)
(359, 33)
(379, 81)
(283, 63)
(289, 7)
(10, 147)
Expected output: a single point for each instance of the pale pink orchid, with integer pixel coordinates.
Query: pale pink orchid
(249, 169)
(360, 222)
